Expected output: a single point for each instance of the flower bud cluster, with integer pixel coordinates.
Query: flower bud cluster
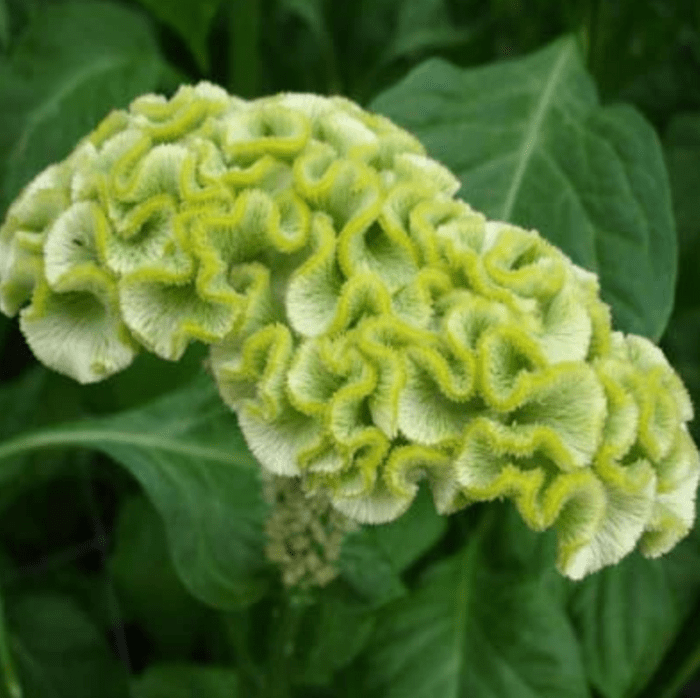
(304, 533)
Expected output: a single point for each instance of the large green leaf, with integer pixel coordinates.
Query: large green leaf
(59, 653)
(423, 25)
(627, 616)
(488, 622)
(149, 590)
(9, 680)
(406, 539)
(333, 633)
(74, 63)
(532, 146)
(4, 25)
(35, 399)
(185, 681)
(191, 19)
(308, 59)
(373, 558)
(188, 454)
(312, 13)
(147, 378)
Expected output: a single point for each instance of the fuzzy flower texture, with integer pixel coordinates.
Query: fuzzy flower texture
(369, 329)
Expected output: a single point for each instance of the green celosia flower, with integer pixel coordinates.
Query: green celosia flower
(368, 329)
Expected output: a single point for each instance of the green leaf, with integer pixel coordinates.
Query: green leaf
(4, 25)
(59, 653)
(74, 63)
(374, 21)
(368, 569)
(62, 572)
(9, 681)
(334, 632)
(186, 451)
(486, 623)
(191, 20)
(404, 540)
(533, 146)
(149, 590)
(373, 558)
(147, 378)
(680, 664)
(628, 615)
(315, 51)
(35, 399)
(311, 12)
(20, 401)
(185, 681)
(424, 25)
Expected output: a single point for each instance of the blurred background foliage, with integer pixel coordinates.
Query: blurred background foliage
(88, 551)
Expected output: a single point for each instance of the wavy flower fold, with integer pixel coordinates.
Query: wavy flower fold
(369, 329)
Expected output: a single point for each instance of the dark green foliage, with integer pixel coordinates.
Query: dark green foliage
(131, 518)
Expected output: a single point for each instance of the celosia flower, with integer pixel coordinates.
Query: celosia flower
(369, 329)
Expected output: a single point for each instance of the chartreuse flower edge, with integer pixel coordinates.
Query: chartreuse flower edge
(369, 329)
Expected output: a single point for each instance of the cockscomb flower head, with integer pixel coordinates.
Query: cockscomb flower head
(369, 329)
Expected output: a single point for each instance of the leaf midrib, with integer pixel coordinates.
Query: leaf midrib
(532, 133)
(70, 437)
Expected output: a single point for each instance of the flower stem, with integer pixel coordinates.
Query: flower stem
(289, 613)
